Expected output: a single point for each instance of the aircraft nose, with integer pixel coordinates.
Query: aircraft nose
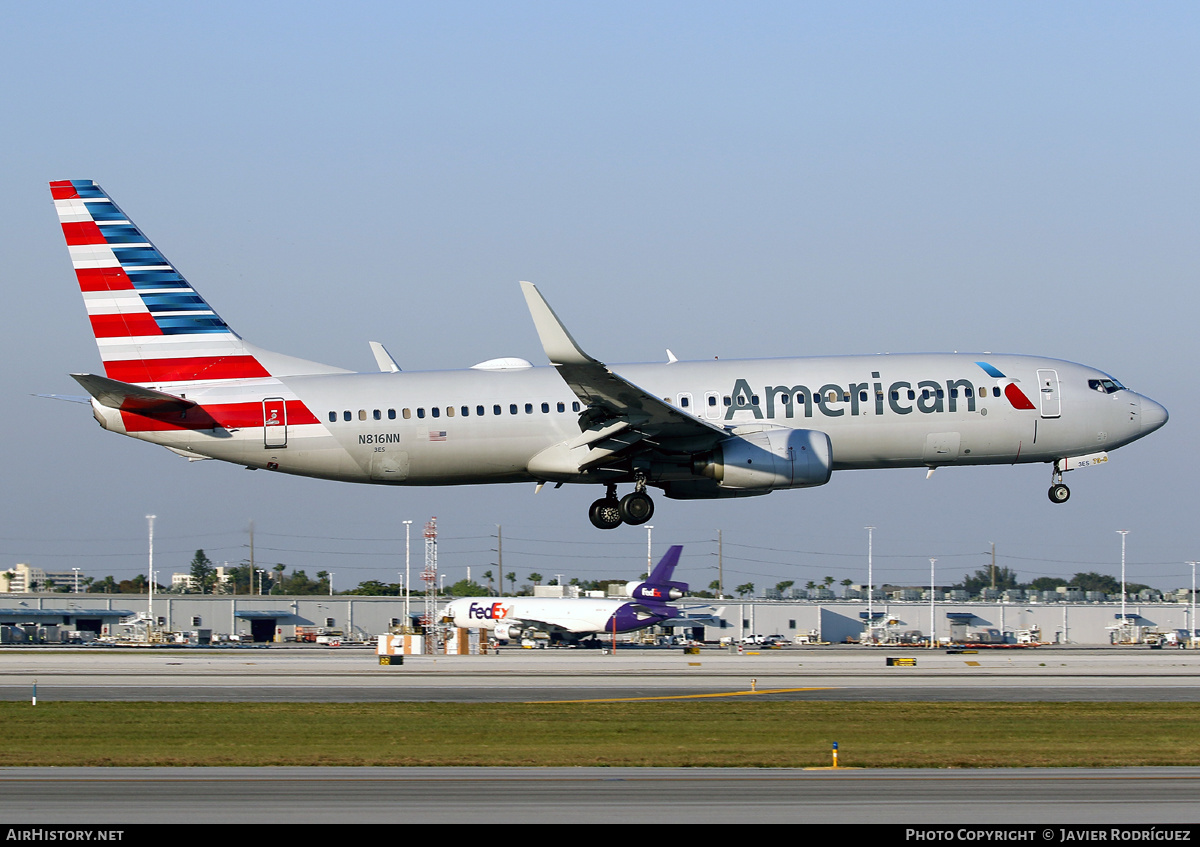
(1153, 415)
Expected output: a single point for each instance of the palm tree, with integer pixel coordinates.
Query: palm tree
(488, 576)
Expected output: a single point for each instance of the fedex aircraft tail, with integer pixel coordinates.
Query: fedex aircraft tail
(151, 326)
(659, 585)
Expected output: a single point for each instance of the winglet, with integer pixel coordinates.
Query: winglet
(560, 347)
(384, 359)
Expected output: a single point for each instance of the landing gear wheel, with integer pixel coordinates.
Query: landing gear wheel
(636, 508)
(1059, 493)
(605, 513)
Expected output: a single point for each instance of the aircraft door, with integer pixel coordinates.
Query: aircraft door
(1051, 405)
(274, 423)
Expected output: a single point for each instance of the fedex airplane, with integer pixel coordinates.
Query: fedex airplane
(568, 619)
(176, 374)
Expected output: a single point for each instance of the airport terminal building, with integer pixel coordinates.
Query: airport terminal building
(192, 618)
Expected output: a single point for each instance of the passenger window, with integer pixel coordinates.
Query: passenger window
(685, 402)
(347, 416)
(862, 396)
(333, 417)
(466, 411)
(529, 408)
(495, 410)
(545, 408)
(435, 412)
(378, 415)
(449, 412)
(479, 410)
(562, 407)
(728, 400)
(712, 401)
(420, 412)
(407, 414)
(391, 414)
(575, 406)
(996, 391)
(512, 408)
(362, 414)
(912, 395)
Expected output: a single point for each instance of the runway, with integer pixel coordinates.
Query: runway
(1014, 799)
(1050, 797)
(834, 673)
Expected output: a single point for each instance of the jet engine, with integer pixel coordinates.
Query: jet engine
(660, 591)
(769, 460)
(509, 631)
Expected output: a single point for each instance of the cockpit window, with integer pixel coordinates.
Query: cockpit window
(1105, 386)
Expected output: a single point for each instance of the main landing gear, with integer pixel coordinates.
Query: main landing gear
(1058, 493)
(635, 508)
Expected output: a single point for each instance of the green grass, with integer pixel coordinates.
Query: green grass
(664, 733)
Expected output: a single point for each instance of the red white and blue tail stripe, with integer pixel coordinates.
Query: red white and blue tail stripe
(150, 325)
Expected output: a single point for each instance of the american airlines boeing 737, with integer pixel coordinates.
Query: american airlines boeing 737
(175, 374)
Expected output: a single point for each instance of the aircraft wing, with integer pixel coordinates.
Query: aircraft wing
(618, 410)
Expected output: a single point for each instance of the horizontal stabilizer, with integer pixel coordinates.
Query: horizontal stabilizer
(692, 619)
(70, 398)
(130, 398)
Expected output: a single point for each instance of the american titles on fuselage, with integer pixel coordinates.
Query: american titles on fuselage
(901, 397)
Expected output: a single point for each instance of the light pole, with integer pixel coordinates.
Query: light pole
(870, 585)
(649, 561)
(331, 585)
(1123, 533)
(932, 622)
(407, 573)
(150, 568)
(75, 590)
(1192, 620)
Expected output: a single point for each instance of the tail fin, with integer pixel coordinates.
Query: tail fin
(151, 326)
(665, 568)
(659, 586)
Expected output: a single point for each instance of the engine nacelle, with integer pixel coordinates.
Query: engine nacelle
(660, 591)
(509, 631)
(769, 460)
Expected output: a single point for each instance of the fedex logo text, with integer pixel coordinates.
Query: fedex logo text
(490, 612)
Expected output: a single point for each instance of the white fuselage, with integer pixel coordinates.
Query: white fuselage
(486, 426)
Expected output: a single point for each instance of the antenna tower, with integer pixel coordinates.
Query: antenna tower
(429, 576)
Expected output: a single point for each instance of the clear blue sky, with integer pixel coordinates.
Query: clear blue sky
(752, 179)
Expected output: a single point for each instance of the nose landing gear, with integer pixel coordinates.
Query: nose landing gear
(1058, 493)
